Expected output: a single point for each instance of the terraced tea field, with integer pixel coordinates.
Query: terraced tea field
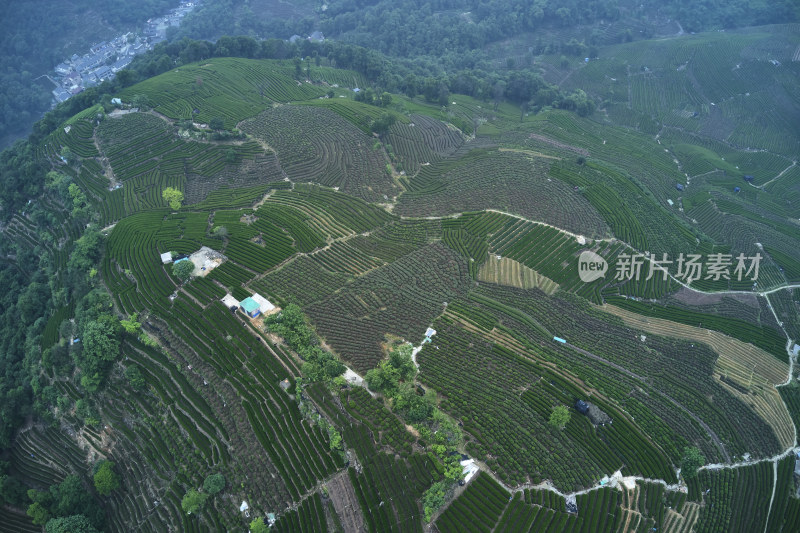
(429, 304)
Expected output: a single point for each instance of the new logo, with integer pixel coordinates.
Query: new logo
(591, 266)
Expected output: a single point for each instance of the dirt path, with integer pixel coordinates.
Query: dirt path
(613, 239)
(772, 498)
(784, 171)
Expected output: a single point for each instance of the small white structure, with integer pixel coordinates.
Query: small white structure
(244, 508)
(116, 101)
(430, 332)
(230, 301)
(166, 258)
(264, 305)
(470, 469)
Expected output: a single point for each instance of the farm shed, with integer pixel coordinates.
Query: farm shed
(430, 332)
(250, 307)
(559, 339)
(748, 178)
(679, 186)
(166, 258)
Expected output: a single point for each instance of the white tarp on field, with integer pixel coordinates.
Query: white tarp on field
(264, 305)
(230, 301)
(470, 469)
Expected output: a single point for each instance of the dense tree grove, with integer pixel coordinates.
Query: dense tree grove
(451, 27)
(292, 325)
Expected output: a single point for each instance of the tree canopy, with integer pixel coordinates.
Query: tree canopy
(105, 479)
(258, 526)
(63, 500)
(559, 417)
(193, 501)
(183, 269)
(214, 483)
(70, 524)
(173, 197)
(692, 460)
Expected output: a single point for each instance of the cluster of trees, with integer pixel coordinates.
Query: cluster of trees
(292, 325)
(691, 462)
(454, 30)
(394, 378)
(445, 437)
(28, 295)
(194, 500)
(65, 503)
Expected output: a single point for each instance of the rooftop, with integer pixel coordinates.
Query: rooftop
(249, 305)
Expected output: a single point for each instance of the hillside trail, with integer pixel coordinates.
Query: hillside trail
(784, 171)
(616, 479)
(611, 240)
(681, 486)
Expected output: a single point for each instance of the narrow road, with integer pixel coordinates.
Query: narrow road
(794, 163)
(611, 239)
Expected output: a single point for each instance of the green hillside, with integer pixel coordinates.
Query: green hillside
(148, 385)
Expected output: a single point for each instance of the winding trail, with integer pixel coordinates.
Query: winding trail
(784, 171)
(616, 479)
(612, 239)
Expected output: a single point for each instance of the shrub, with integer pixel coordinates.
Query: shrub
(214, 483)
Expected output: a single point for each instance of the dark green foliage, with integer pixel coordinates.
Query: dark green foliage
(68, 498)
(183, 269)
(691, 461)
(70, 524)
(100, 347)
(105, 479)
(135, 378)
(382, 124)
(214, 483)
(292, 325)
(193, 501)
